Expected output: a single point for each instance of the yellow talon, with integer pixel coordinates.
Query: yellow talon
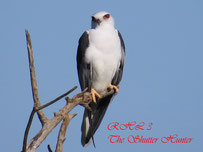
(93, 94)
(113, 87)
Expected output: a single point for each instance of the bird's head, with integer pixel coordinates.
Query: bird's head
(102, 19)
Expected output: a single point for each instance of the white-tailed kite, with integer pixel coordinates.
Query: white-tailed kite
(100, 62)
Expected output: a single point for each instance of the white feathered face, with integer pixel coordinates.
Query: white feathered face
(102, 19)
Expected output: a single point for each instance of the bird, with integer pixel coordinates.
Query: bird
(100, 62)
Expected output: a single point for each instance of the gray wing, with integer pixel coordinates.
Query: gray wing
(118, 75)
(85, 79)
(84, 68)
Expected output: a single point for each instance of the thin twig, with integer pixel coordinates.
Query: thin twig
(49, 148)
(40, 113)
(62, 132)
(27, 130)
(58, 98)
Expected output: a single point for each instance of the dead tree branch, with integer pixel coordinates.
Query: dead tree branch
(49, 148)
(36, 100)
(62, 132)
(39, 108)
(83, 99)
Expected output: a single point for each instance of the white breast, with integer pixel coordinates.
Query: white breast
(104, 54)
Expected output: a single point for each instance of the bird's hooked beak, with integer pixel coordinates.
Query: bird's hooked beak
(98, 21)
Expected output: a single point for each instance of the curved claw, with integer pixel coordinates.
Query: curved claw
(115, 88)
(94, 94)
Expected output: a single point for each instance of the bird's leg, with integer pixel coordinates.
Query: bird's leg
(115, 88)
(94, 94)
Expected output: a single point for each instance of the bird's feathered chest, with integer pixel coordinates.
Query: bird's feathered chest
(103, 44)
(104, 54)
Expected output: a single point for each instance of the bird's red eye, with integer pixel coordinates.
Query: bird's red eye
(107, 16)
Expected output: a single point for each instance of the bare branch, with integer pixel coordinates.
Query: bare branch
(58, 98)
(39, 108)
(27, 130)
(62, 132)
(49, 148)
(78, 99)
(40, 113)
